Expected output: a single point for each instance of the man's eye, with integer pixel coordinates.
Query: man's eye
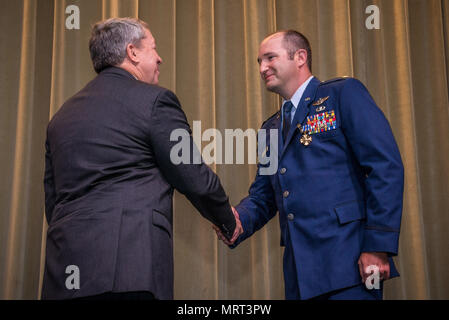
(270, 58)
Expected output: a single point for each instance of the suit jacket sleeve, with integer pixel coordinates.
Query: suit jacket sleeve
(373, 144)
(49, 186)
(196, 181)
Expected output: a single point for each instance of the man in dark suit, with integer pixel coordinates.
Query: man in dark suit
(339, 184)
(109, 179)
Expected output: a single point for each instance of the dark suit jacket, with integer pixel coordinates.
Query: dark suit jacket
(109, 184)
(337, 197)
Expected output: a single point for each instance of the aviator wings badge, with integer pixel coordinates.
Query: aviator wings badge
(320, 101)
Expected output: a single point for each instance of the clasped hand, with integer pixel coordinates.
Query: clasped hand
(237, 232)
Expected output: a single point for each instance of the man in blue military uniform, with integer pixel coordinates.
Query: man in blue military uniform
(339, 184)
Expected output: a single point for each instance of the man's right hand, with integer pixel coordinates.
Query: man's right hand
(237, 232)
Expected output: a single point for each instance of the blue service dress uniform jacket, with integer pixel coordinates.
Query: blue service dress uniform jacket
(337, 197)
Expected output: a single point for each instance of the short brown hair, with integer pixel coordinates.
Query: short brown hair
(293, 41)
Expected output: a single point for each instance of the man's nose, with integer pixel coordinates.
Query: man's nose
(263, 68)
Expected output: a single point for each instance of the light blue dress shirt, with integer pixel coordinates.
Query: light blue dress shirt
(295, 100)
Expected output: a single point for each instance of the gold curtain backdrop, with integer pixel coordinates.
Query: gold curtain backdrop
(209, 48)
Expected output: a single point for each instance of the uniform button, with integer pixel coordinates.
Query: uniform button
(291, 216)
(283, 170)
(286, 193)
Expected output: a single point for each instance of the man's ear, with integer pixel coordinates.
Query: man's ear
(131, 53)
(301, 57)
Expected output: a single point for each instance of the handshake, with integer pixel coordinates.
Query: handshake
(237, 232)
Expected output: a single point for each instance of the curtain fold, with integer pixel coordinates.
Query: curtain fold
(430, 96)
(209, 50)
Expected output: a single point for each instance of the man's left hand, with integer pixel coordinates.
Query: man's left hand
(379, 259)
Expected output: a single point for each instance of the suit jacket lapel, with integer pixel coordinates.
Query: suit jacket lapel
(302, 111)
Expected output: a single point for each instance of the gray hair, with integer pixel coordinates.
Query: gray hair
(109, 38)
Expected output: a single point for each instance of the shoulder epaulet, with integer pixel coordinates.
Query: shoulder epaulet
(276, 114)
(334, 80)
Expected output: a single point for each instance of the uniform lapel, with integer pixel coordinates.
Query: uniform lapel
(273, 123)
(302, 111)
(276, 124)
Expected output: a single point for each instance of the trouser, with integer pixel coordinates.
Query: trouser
(358, 292)
(134, 295)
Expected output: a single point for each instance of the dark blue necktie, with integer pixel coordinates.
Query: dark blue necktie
(287, 119)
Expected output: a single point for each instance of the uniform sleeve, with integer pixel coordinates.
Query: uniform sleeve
(258, 207)
(196, 181)
(372, 142)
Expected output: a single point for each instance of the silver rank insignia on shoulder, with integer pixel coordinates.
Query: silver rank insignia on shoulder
(320, 101)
